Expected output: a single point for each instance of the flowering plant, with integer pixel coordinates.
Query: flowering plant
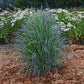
(10, 22)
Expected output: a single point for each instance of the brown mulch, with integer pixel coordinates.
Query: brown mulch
(73, 73)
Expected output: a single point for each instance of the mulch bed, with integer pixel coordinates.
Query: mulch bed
(73, 73)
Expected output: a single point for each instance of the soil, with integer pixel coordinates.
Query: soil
(73, 73)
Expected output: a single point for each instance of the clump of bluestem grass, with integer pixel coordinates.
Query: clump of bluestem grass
(40, 43)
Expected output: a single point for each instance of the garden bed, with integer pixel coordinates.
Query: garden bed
(73, 73)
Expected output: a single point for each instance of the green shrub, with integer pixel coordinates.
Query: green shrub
(2, 40)
(22, 4)
(49, 3)
(40, 43)
(7, 4)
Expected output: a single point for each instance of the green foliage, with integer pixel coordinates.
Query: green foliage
(78, 33)
(40, 42)
(2, 40)
(7, 30)
(37, 3)
(69, 3)
(72, 25)
(7, 4)
(22, 4)
(49, 3)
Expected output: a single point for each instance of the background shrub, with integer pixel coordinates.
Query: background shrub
(7, 4)
(40, 43)
(49, 3)
(37, 3)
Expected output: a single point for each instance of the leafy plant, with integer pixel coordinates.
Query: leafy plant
(40, 43)
(72, 25)
(51, 3)
(7, 28)
(77, 34)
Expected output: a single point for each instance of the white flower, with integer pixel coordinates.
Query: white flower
(57, 22)
(47, 9)
(56, 17)
(61, 23)
(59, 11)
(69, 25)
(62, 29)
(2, 18)
(67, 29)
(52, 11)
(74, 19)
(30, 12)
(12, 21)
(1, 23)
(21, 16)
(74, 27)
(12, 24)
(64, 26)
(6, 11)
(66, 11)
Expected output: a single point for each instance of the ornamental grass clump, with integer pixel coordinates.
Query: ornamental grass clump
(40, 43)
